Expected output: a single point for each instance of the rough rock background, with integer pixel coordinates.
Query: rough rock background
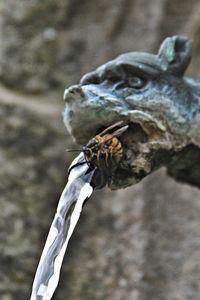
(136, 244)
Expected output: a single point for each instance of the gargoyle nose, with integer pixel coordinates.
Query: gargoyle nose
(72, 93)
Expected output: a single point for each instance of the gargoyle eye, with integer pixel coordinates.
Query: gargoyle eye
(90, 78)
(136, 82)
(112, 78)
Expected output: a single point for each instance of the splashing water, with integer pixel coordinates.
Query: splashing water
(77, 190)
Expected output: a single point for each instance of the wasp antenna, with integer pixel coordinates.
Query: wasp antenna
(73, 150)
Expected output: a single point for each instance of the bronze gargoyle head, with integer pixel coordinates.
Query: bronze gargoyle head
(161, 107)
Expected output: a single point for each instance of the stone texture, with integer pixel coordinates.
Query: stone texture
(137, 244)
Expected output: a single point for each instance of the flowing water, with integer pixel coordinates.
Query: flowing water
(70, 205)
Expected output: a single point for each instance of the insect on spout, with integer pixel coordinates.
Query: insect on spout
(105, 150)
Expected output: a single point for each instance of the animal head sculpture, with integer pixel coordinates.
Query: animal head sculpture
(149, 93)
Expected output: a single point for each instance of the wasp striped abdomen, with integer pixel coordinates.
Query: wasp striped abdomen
(115, 150)
(105, 149)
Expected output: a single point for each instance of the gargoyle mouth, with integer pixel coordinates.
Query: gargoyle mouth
(144, 147)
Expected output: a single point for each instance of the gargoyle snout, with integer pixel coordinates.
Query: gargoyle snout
(72, 93)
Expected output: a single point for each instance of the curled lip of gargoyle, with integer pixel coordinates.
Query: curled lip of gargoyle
(149, 93)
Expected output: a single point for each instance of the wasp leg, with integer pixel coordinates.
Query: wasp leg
(112, 156)
(98, 156)
(107, 156)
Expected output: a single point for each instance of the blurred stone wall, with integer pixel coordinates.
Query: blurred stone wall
(136, 244)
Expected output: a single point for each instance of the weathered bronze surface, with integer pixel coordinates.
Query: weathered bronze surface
(161, 106)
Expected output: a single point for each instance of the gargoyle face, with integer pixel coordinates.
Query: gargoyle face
(146, 91)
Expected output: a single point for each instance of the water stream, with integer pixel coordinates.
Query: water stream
(70, 205)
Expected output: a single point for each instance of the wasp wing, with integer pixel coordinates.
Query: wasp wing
(116, 133)
(119, 131)
(117, 124)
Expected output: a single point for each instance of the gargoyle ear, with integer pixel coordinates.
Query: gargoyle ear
(175, 54)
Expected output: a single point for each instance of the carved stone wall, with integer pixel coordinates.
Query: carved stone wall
(137, 244)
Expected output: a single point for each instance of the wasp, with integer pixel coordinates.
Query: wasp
(104, 153)
(105, 149)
